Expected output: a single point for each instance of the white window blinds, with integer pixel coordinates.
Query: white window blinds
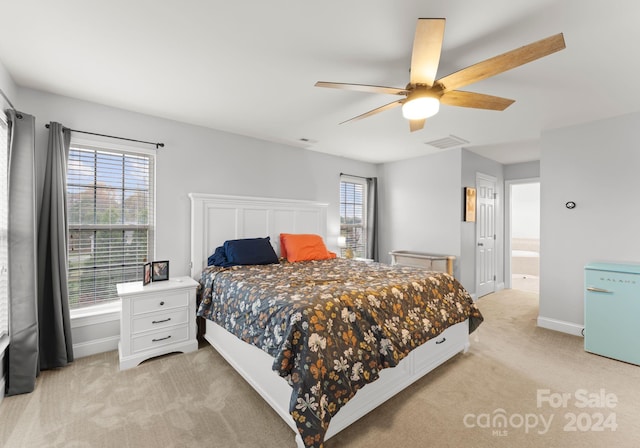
(4, 227)
(353, 224)
(110, 207)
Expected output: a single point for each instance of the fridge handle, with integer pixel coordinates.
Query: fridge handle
(594, 289)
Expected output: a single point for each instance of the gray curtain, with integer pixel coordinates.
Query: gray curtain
(372, 218)
(56, 348)
(22, 354)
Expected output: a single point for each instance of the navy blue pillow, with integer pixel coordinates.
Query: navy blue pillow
(219, 258)
(250, 251)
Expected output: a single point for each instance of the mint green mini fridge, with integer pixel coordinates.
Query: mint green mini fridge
(612, 311)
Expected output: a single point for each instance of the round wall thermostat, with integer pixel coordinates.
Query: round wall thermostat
(570, 205)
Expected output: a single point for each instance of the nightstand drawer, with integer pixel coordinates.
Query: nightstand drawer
(156, 321)
(161, 301)
(160, 338)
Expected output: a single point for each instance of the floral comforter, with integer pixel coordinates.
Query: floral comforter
(332, 325)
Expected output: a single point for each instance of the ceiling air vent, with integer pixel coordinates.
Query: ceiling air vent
(447, 142)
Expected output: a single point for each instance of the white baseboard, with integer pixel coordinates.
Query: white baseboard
(96, 346)
(560, 325)
(500, 286)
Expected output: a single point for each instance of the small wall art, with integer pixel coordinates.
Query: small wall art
(470, 204)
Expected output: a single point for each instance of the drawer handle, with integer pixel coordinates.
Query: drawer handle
(161, 339)
(441, 341)
(161, 303)
(160, 321)
(594, 289)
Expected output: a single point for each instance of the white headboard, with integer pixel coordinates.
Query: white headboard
(217, 218)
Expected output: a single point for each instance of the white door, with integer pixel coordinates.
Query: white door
(485, 235)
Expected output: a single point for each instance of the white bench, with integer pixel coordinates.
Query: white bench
(432, 262)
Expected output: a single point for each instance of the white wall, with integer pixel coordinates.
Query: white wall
(421, 202)
(194, 159)
(525, 170)
(8, 87)
(596, 165)
(423, 208)
(197, 159)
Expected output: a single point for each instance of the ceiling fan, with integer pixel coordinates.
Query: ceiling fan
(424, 94)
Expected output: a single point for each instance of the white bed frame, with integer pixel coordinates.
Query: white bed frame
(216, 218)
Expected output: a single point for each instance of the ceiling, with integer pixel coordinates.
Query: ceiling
(249, 67)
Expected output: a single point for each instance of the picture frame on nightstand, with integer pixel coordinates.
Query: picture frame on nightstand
(146, 274)
(160, 270)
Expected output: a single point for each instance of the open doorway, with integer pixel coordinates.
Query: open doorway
(524, 235)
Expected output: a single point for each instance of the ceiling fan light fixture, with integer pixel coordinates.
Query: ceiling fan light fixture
(420, 108)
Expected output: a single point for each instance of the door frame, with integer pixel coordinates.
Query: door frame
(494, 180)
(507, 224)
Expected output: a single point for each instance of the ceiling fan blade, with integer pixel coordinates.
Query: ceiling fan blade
(427, 45)
(362, 88)
(416, 125)
(375, 111)
(475, 100)
(503, 62)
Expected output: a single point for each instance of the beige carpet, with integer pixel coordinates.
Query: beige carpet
(197, 400)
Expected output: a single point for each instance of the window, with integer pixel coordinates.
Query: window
(4, 227)
(353, 225)
(110, 209)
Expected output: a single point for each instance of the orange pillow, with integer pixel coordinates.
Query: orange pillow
(303, 247)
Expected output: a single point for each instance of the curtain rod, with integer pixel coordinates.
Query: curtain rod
(157, 145)
(353, 175)
(7, 100)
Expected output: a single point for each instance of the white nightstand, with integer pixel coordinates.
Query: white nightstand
(156, 319)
